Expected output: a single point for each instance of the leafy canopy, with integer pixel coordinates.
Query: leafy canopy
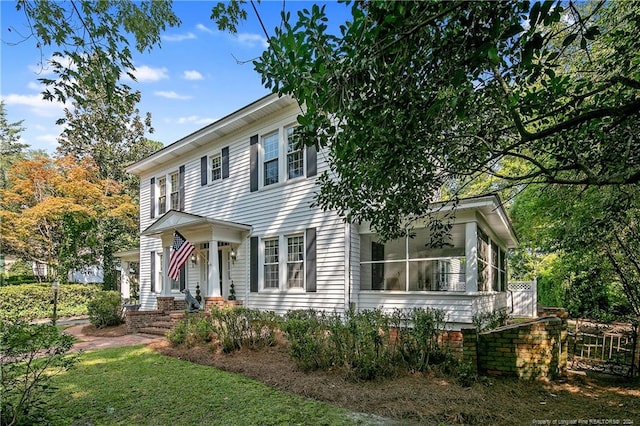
(410, 96)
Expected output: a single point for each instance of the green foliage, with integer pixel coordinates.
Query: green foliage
(30, 356)
(243, 327)
(367, 345)
(417, 338)
(192, 330)
(30, 301)
(490, 320)
(414, 95)
(105, 309)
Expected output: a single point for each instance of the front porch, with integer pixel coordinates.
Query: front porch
(207, 274)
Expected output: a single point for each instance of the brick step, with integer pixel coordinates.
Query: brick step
(157, 331)
(162, 324)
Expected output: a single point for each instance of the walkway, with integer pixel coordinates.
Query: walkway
(89, 343)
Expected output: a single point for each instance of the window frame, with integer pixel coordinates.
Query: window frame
(280, 162)
(211, 169)
(171, 198)
(284, 262)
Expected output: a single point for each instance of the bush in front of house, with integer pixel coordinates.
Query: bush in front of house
(369, 344)
(30, 356)
(191, 330)
(33, 301)
(243, 327)
(105, 309)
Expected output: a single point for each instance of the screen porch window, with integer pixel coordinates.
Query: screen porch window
(295, 262)
(162, 195)
(270, 145)
(271, 263)
(175, 191)
(414, 263)
(295, 156)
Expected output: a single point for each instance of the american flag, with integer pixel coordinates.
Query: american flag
(182, 249)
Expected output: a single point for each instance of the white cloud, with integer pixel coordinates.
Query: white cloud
(205, 29)
(145, 74)
(36, 104)
(170, 95)
(252, 40)
(48, 139)
(34, 86)
(179, 37)
(192, 75)
(195, 119)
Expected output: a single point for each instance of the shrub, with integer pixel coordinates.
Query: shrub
(238, 327)
(417, 337)
(191, 330)
(30, 356)
(30, 301)
(105, 309)
(490, 320)
(306, 331)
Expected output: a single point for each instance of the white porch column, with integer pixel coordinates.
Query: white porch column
(125, 288)
(166, 281)
(471, 256)
(214, 270)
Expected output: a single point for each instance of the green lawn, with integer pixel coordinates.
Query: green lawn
(136, 386)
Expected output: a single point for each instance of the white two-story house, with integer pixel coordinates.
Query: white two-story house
(242, 193)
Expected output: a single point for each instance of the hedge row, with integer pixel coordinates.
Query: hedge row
(32, 301)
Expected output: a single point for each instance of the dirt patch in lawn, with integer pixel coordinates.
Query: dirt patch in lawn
(116, 331)
(435, 398)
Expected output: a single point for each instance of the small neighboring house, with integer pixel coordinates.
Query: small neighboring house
(242, 194)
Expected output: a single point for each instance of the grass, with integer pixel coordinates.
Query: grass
(137, 386)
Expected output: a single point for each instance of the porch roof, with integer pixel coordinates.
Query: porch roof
(195, 228)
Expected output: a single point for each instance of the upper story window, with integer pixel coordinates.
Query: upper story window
(295, 156)
(275, 158)
(175, 191)
(215, 162)
(270, 166)
(214, 167)
(162, 195)
(167, 192)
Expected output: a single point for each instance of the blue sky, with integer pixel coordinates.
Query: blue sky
(190, 81)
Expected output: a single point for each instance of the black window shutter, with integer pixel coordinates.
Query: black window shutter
(225, 162)
(253, 162)
(153, 272)
(253, 269)
(311, 270)
(152, 197)
(203, 171)
(312, 161)
(181, 187)
(183, 278)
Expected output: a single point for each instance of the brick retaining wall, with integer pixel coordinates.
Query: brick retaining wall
(529, 350)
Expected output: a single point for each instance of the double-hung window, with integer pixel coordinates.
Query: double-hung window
(271, 263)
(215, 165)
(175, 191)
(283, 266)
(271, 147)
(162, 195)
(295, 156)
(295, 262)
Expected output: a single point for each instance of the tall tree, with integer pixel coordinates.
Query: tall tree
(51, 213)
(92, 44)
(411, 95)
(11, 149)
(112, 140)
